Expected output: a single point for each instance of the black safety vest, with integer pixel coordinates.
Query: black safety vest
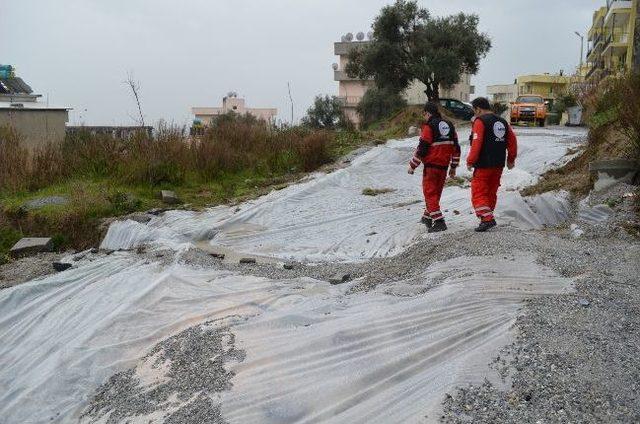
(493, 153)
(441, 129)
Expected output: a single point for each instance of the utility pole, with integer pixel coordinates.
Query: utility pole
(581, 48)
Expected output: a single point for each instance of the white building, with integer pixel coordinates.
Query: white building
(37, 123)
(233, 103)
(502, 93)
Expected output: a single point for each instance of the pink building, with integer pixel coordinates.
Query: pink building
(351, 90)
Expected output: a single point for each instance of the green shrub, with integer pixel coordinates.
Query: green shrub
(563, 102)
(326, 113)
(379, 103)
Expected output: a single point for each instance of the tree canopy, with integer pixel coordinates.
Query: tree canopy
(408, 44)
(326, 113)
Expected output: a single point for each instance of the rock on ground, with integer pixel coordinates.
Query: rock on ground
(30, 245)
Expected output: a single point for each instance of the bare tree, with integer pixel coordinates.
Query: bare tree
(291, 100)
(135, 88)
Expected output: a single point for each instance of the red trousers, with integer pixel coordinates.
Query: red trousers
(433, 180)
(484, 191)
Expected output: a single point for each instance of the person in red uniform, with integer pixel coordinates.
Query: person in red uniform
(438, 150)
(493, 143)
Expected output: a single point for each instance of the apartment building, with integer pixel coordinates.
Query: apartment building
(351, 90)
(614, 39)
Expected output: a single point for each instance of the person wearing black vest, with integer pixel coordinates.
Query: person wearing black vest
(439, 151)
(493, 144)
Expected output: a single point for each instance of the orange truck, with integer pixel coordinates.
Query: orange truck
(529, 108)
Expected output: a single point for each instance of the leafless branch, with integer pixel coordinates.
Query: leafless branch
(291, 100)
(135, 88)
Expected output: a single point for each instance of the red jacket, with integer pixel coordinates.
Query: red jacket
(434, 153)
(477, 137)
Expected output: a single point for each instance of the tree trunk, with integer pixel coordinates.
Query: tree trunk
(432, 91)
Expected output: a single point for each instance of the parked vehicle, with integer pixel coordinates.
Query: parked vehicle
(529, 108)
(459, 109)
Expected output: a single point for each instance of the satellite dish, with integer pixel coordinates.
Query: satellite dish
(369, 35)
(360, 36)
(335, 66)
(349, 37)
(344, 39)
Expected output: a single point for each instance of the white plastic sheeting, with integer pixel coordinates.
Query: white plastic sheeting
(326, 218)
(593, 214)
(313, 354)
(380, 358)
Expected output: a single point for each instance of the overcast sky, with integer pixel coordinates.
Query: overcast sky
(192, 52)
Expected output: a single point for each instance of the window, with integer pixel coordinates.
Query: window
(529, 100)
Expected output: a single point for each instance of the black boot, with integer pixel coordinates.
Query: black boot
(438, 225)
(485, 225)
(426, 221)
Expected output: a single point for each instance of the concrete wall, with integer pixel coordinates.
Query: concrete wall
(37, 127)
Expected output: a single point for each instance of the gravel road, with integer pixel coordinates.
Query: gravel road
(575, 358)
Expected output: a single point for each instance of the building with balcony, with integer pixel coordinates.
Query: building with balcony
(614, 39)
(352, 90)
(232, 103)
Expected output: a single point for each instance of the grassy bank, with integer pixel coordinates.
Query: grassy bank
(613, 116)
(102, 177)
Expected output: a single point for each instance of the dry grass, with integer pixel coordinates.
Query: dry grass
(168, 158)
(13, 160)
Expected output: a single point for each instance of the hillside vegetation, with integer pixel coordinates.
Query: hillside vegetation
(614, 132)
(102, 177)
